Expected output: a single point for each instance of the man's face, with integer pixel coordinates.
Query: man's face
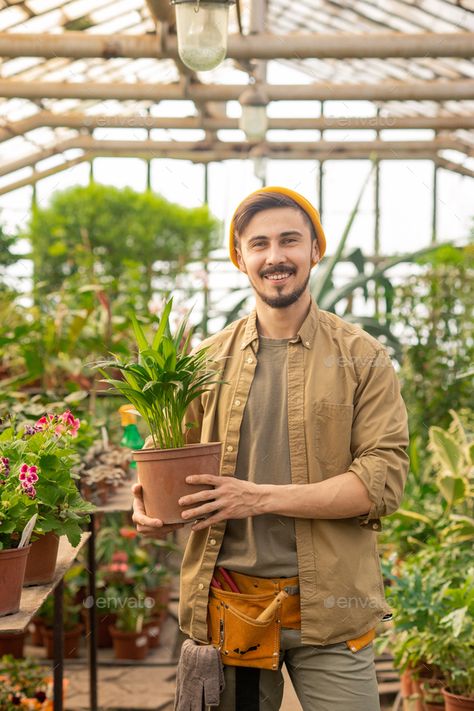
(276, 252)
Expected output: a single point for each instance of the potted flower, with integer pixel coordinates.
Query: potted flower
(41, 456)
(17, 506)
(160, 383)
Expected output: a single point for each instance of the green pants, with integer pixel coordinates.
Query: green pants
(329, 678)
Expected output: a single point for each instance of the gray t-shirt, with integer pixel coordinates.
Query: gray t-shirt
(264, 545)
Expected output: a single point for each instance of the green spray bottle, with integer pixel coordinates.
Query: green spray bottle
(131, 437)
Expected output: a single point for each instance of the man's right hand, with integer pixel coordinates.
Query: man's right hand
(149, 527)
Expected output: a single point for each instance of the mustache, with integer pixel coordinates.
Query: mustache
(283, 269)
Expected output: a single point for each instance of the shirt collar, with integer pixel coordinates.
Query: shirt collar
(305, 334)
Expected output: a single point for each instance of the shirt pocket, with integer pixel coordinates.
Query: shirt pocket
(332, 427)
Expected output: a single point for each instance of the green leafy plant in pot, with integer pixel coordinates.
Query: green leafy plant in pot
(160, 384)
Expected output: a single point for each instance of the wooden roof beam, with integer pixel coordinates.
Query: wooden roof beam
(383, 91)
(80, 121)
(78, 45)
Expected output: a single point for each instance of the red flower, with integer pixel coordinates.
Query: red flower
(128, 532)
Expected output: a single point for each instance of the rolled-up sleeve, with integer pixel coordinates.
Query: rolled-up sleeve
(379, 438)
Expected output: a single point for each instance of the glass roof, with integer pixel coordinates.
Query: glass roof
(31, 130)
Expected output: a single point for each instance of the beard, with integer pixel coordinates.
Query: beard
(281, 301)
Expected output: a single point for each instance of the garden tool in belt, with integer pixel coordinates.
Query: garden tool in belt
(246, 614)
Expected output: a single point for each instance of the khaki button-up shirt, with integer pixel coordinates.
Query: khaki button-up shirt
(345, 413)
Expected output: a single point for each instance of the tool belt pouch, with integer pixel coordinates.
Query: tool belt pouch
(235, 631)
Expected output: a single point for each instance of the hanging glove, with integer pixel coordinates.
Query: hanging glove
(199, 677)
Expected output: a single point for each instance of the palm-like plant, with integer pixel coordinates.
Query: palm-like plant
(164, 379)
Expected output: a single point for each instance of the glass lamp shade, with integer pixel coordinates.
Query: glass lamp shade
(202, 33)
(254, 122)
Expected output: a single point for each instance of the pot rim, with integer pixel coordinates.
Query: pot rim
(446, 692)
(187, 451)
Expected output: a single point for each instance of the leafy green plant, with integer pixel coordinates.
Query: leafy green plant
(71, 610)
(163, 380)
(445, 486)
(434, 309)
(132, 612)
(431, 588)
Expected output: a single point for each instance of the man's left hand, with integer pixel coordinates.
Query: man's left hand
(230, 498)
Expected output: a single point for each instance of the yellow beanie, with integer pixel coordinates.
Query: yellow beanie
(311, 211)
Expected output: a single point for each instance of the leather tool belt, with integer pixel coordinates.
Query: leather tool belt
(245, 626)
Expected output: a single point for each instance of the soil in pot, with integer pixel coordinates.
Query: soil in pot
(162, 473)
(12, 643)
(454, 702)
(72, 640)
(12, 574)
(129, 645)
(41, 562)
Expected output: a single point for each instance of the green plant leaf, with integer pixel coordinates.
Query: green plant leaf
(445, 449)
(453, 488)
(139, 333)
(415, 516)
(162, 326)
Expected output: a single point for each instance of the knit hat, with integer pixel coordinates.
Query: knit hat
(311, 211)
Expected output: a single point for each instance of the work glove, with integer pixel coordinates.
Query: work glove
(199, 677)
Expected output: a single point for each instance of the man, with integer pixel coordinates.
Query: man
(314, 435)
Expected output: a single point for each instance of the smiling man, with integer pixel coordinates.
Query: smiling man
(281, 565)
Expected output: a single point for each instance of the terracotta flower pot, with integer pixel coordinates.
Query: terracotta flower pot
(454, 702)
(162, 473)
(71, 641)
(41, 562)
(35, 628)
(427, 706)
(12, 643)
(12, 574)
(406, 683)
(129, 645)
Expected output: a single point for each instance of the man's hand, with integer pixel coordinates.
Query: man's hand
(149, 527)
(230, 498)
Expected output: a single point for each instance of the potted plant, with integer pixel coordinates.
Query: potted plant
(71, 625)
(42, 456)
(17, 507)
(160, 383)
(130, 639)
(25, 684)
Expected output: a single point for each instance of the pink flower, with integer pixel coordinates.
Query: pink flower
(4, 467)
(28, 476)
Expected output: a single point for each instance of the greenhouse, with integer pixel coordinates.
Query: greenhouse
(236, 355)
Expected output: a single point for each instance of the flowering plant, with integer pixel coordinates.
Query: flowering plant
(24, 684)
(36, 476)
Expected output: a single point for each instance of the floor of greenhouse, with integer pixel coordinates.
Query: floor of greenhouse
(149, 685)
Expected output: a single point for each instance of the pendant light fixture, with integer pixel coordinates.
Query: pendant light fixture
(201, 27)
